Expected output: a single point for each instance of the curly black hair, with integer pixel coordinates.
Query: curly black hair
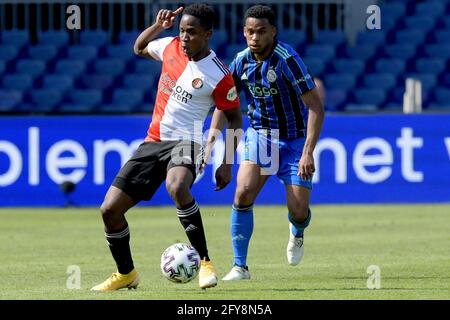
(203, 12)
(260, 12)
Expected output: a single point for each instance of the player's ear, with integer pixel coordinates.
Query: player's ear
(274, 31)
(208, 34)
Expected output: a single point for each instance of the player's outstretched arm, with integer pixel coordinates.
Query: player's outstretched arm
(306, 166)
(164, 20)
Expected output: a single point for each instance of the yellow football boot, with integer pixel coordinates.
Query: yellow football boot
(207, 277)
(119, 281)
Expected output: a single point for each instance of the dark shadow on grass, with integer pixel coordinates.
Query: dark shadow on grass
(220, 291)
(397, 278)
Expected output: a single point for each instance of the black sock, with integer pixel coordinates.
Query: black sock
(119, 244)
(191, 221)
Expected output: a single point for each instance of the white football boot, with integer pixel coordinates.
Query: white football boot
(295, 248)
(237, 273)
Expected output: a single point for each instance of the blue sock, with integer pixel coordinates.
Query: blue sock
(299, 227)
(241, 232)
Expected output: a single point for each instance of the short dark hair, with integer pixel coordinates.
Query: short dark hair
(260, 12)
(203, 12)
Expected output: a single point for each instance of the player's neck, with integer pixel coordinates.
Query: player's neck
(260, 57)
(200, 55)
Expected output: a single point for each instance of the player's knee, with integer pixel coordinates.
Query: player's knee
(109, 214)
(299, 211)
(177, 189)
(244, 195)
(106, 211)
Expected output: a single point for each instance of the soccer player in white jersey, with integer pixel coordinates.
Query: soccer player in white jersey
(192, 81)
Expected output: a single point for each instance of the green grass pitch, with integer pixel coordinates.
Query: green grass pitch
(409, 243)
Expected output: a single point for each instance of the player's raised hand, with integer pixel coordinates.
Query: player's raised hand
(223, 176)
(165, 17)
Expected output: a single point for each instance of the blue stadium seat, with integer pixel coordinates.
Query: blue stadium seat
(372, 97)
(321, 51)
(82, 101)
(431, 65)
(17, 81)
(109, 66)
(371, 37)
(96, 38)
(123, 52)
(45, 100)
(424, 23)
(407, 36)
(352, 66)
(362, 52)
(97, 81)
(394, 10)
(294, 37)
(431, 9)
(73, 68)
(400, 51)
(439, 106)
(360, 107)
(442, 36)
(8, 53)
(428, 82)
(44, 52)
(445, 22)
(32, 67)
(81, 52)
(139, 81)
(442, 95)
(17, 38)
(438, 51)
(2, 67)
(54, 38)
(388, 23)
(335, 99)
(128, 37)
(384, 81)
(219, 38)
(233, 49)
(342, 81)
(393, 106)
(446, 79)
(9, 99)
(148, 67)
(330, 37)
(61, 83)
(393, 66)
(124, 101)
(315, 65)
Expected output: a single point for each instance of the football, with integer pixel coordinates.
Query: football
(180, 263)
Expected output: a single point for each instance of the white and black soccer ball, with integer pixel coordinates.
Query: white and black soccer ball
(180, 263)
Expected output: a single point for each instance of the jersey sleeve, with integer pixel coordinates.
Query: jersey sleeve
(225, 94)
(236, 77)
(156, 47)
(298, 74)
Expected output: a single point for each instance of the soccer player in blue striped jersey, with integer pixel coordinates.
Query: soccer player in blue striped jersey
(286, 115)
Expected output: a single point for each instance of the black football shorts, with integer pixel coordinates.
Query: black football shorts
(142, 175)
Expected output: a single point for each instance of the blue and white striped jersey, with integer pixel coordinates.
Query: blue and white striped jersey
(273, 89)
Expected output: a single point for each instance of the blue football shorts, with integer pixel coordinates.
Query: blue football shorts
(276, 156)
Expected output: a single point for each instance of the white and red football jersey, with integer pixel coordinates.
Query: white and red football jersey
(186, 92)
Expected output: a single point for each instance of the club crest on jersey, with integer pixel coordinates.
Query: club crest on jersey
(232, 94)
(271, 75)
(197, 83)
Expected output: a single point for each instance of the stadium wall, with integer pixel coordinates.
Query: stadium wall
(359, 158)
